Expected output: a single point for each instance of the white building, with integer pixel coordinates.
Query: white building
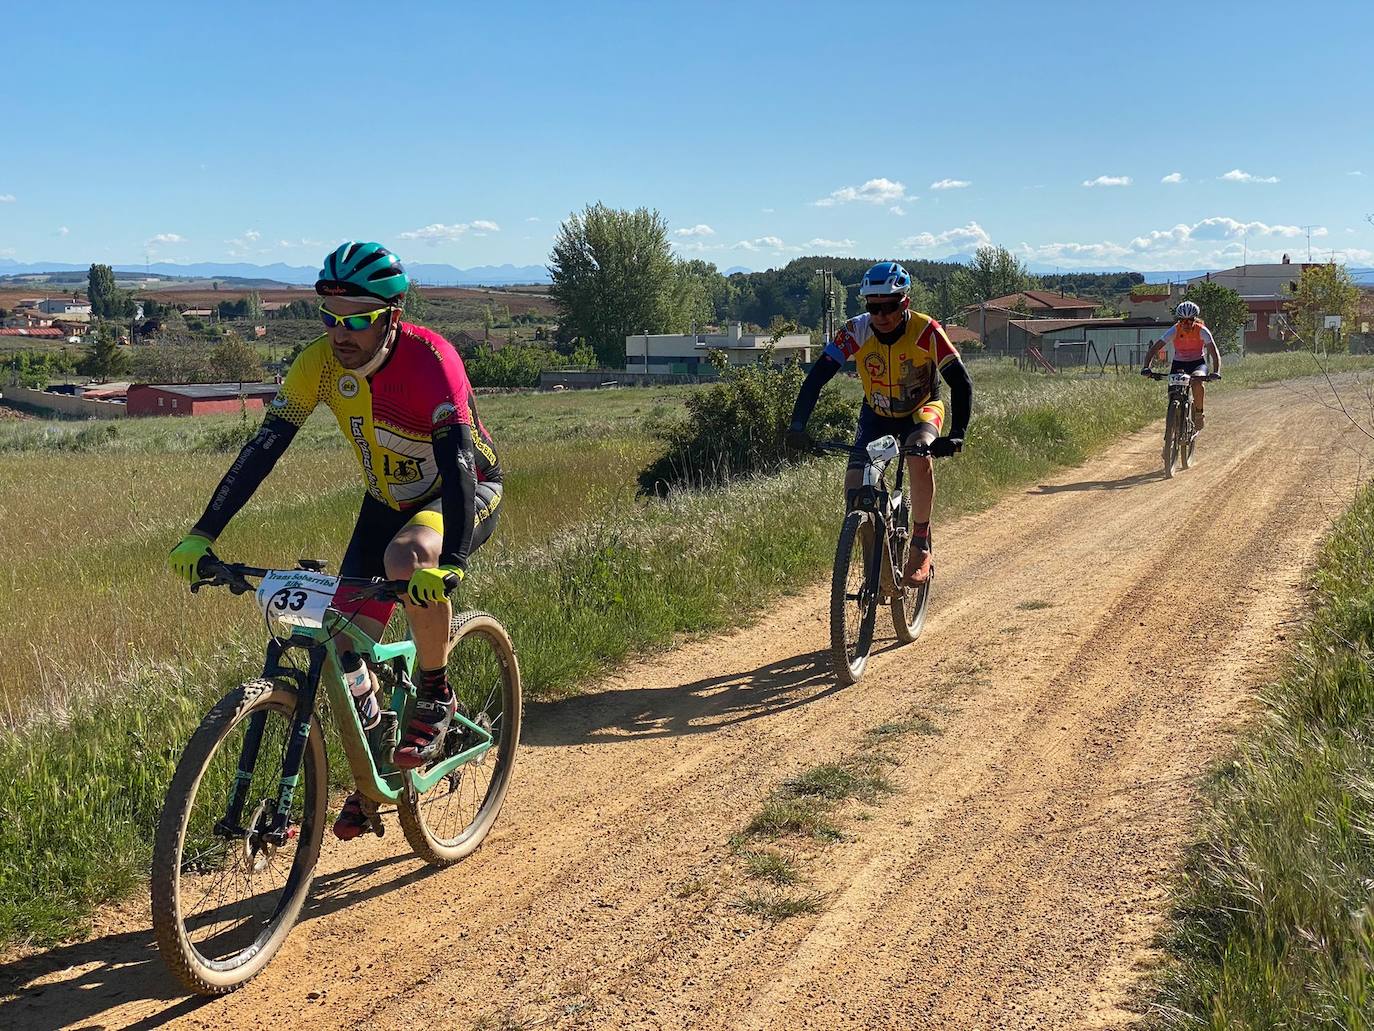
(670, 353)
(60, 306)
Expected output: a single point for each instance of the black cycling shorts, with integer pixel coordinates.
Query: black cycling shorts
(378, 524)
(1193, 367)
(872, 426)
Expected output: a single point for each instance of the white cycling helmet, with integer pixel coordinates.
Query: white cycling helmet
(885, 279)
(1187, 310)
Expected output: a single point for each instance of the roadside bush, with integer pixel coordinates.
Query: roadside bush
(736, 427)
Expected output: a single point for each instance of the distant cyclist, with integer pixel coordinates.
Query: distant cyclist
(901, 355)
(402, 398)
(1193, 345)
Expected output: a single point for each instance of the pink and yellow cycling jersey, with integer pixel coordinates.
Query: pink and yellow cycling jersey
(1190, 342)
(391, 417)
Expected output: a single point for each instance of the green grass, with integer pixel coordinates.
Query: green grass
(772, 867)
(773, 904)
(107, 665)
(1274, 924)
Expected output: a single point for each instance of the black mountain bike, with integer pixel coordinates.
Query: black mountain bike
(869, 559)
(1180, 436)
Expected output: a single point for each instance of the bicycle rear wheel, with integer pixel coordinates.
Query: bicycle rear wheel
(450, 820)
(853, 599)
(1187, 438)
(909, 604)
(225, 898)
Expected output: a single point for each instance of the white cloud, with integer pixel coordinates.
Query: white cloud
(1108, 180)
(875, 191)
(1214, 240)
(6, 198)
(1173, 177)
(971, 235)
(897, 209)
(1354, 173)
(1237, 176)
(533, 218)
(772, 243)
(767, 211)
(829, 245)
(162, 238)
(950, 184)
(438, 232)
(700, 229)
(62, 230)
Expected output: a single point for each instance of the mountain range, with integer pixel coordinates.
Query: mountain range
(299, 275)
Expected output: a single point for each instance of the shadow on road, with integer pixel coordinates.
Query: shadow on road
(698, 707)
(1125, 483)
(121, 969)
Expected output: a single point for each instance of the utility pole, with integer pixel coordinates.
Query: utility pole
(1308, 229)
(828, 306)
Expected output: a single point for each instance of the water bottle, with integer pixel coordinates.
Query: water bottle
(359, 681)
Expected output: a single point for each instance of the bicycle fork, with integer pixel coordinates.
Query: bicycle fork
(278, 809)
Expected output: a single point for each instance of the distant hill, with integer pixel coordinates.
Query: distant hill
(278, 274)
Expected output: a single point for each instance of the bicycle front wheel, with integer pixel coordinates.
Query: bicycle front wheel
(225, 895)
(1172, 431)
(450, 820)
(853, 599)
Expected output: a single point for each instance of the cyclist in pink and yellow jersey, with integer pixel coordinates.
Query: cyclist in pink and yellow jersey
(401, 396)
(1193, 345)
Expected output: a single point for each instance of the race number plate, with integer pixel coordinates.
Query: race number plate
(296, 596)
(1179, 379)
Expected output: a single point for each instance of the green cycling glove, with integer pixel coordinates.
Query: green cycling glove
(429, 585)
(186, 556)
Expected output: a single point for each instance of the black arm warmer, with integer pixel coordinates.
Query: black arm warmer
(821, 373)
(454, 458)
(251, 467)
(960, 397)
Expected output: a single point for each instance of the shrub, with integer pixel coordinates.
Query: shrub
(736, 427)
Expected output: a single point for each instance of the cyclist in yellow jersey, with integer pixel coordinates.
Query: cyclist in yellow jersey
(901, 356)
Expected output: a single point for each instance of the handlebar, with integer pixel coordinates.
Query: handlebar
(1208, 376)
(920, 449)
(234, 575)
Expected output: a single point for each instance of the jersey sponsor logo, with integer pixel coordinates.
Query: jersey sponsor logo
(355, 429)
(399, 469)
(443, 413)
(875, 366)
(280, 401)
(348, 385)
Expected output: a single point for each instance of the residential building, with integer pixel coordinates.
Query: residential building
(64, 306)
(1155, 301)
(1265, 288)
(198, 398)
(989, 318)
(679, 353)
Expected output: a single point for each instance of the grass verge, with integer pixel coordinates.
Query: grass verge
(1274, 921)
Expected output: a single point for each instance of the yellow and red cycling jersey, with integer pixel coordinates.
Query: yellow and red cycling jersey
(898, 378)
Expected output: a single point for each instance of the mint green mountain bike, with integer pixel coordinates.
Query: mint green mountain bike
(241, 828)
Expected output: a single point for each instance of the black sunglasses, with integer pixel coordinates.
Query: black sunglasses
(883, 307)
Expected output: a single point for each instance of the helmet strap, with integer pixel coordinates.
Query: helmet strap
(379, 356)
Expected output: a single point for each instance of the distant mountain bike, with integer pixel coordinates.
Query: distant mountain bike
(869, 558)
(241, 827)
(1180, 436)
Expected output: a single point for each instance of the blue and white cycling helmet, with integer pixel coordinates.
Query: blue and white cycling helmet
(885, 279)
(1187, 310)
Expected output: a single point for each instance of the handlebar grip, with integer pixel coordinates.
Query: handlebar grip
(451, 582)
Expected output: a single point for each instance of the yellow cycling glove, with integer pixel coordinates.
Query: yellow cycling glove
(428, 585)
(186, 556)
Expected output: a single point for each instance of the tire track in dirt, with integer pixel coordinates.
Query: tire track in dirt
(1015, 880)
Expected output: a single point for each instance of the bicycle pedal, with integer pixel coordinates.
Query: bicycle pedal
(375, 825)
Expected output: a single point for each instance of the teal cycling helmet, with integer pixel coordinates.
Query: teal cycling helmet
(363, 270)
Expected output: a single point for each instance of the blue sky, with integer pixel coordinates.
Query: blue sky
(465, 133)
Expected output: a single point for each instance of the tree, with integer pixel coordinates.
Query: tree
(233, 358)
(1323, 290)
(102, 292)
(103, 357)
(991, 272)
(414, 304)
(253, 303)
(1223, 310)
(613, 276)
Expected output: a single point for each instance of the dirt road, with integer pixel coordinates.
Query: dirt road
(1014, 880)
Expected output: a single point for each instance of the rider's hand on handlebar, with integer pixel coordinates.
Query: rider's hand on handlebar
(433, 585)
(1215, 375)
(946, 447)
(184, 560)
(797, 440)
